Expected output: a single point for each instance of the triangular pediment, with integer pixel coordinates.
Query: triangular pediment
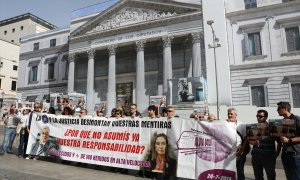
(130, 13)
(129, 16)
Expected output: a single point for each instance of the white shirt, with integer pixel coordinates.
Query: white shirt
(241, 128)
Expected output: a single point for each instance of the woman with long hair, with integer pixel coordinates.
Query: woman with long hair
(162, 165)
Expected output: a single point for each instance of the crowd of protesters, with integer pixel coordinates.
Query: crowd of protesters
(264, 152)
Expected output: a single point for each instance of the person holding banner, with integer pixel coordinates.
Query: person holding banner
(83, 112)
(162, 165)
(37, 109)
(24, 119)
(170, 113)
(152, 111)
(264, 153)
(133, 111)
(67, 111)
(241, 143)
(118, 113)
(43, 146)
(290, 155)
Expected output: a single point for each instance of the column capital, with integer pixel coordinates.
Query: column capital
(112, 49)
(197, 36)
(167, 40)
(91, 53)
(140, 45)
(71, 57)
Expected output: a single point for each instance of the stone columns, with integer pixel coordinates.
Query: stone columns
(167, 62)
(140, 76)
(196, 54)
(90, 81)
(111, 94)
(71, 60)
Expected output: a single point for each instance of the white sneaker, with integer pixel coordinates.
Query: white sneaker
(27, 158)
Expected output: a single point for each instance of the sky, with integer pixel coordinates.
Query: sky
(57, 12)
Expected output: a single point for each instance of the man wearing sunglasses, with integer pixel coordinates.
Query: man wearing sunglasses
(264, 153)
(290, 155)
(170, 113)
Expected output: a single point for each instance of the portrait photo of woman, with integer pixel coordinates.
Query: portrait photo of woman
(162, 165)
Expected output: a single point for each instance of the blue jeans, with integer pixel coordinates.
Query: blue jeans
(9, 137)
(291, 164)
(240, 163)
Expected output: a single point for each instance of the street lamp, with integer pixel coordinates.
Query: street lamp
(214, 46)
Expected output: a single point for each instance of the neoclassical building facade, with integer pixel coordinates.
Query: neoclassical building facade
(138, 45)
(131, 48)
(264, 52)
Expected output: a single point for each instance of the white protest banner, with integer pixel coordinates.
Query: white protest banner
(180, 147)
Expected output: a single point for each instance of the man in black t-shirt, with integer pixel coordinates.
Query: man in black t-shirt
(264, 153)
(291, 145)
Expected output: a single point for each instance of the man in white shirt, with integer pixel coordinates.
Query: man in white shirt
(241, 131)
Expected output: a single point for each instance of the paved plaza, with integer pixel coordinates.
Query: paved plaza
(14, 168)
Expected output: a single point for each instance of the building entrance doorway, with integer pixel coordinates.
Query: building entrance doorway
(124, 96)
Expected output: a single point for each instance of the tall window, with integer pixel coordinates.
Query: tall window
(250, 4)
(36, 46)
(292, 38)
(0, 83)
(258, 96)
(254, 45)
(5, 32)
(33, 73)
(296, 94)
(15, 68)
(13, 85)
(21, 28)
(51, 71)
(52, 42)
(13, 30)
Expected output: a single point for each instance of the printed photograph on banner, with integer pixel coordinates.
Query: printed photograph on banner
(44, 143)
(257, 131)
(162, 164)
(282, 127)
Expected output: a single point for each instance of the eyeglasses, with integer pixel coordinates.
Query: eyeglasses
(259, 116)
(36, 106)
(170, 111)
(117, 113)
(45, 133)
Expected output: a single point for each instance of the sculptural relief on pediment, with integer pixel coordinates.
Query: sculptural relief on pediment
(128, 16)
